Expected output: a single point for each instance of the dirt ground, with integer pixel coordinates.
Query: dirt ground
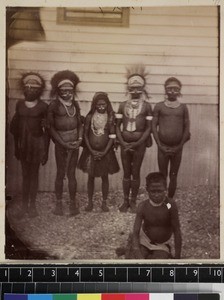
(96, 235)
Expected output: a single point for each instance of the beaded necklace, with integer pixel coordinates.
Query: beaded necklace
(66, 105)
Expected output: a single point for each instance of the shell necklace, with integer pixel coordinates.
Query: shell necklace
(98, 123)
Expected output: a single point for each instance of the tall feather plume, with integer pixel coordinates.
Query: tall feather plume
(138, 69)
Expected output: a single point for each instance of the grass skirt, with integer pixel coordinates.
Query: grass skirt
(97, 168)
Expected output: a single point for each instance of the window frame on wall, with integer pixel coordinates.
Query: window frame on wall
(105, 16)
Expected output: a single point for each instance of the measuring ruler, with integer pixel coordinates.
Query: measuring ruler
(67, 278)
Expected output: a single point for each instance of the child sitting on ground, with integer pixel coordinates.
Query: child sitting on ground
(156, 220)
(98, 158)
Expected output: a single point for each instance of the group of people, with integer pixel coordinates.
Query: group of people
(35, 123)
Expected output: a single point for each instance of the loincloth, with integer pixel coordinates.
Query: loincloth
(69, 135)
(145, 241)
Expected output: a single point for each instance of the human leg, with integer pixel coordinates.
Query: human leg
(126, 163)
(136, 167)
(60, 157)
(90, 186)
(25, 185)
(72, 160)
(174, 168)
(34, 173)
(105, 189)
(163, 161)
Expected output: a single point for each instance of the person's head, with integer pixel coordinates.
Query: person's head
(33, 85)
(172, 88)
(136, 84)
(156, 187)
(64, 84)
(101, 103)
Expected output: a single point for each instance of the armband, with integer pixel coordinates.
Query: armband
(118, 116)
(168, 205)
(112, 136)
(148, 118)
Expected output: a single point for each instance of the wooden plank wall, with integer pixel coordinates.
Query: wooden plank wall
(177, 41)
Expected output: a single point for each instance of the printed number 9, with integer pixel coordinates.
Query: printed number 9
(195, 273)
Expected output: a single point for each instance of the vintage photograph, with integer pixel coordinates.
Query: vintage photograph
(112, 133)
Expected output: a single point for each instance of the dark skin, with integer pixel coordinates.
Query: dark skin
(32, 94)
(62, 122)
(98, 147)
(131, 140)
(170, 126)
(158, 223)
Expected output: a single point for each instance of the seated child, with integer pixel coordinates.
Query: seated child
(98, 158)
(156, 220)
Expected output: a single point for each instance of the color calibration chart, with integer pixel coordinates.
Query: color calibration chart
(128, 296)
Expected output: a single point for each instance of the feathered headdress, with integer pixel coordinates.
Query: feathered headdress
(137, 76)
(32, 78)
(65, 75)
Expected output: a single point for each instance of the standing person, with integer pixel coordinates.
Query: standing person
(135, 116)
(30, 137)
(171, 130)
(98, 158)
(66, 131)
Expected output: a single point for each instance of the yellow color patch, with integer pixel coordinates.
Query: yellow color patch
(89, 297)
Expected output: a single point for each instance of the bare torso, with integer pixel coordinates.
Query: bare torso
(171, 124)
(156, 222)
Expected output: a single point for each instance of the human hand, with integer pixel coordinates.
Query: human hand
(17, 154)
(44, 159)
(77, 144)
(44, 123)
(129, 146)
(70, 145)
(97, 155)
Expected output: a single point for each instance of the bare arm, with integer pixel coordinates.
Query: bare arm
(186, 133)
(155, 123)
(52, 130)
(86, 133)
(46, 138)
(176, 229)
(14, 125)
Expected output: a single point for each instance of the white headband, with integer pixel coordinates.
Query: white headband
(136, 81)
(32, 80)
(62, 82)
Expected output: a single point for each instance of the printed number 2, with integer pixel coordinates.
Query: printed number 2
(29, 273)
